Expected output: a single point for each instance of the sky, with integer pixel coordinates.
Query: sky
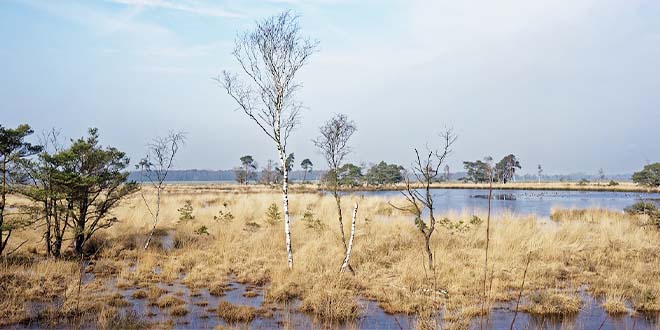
(572, 85)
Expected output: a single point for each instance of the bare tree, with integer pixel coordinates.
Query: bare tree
(333, 145)
(155, 166)
(270, 57)
(425, 170)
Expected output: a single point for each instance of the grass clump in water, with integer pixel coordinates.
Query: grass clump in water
(235, 313)
(553, 304)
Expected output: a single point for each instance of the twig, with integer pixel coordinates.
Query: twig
(483, 301)
(515, 314)
(18, 247)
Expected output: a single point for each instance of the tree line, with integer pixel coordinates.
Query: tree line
(347, 175)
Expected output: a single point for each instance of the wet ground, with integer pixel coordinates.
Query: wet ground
(201, 306)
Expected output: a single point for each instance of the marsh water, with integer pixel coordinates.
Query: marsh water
(201, 305)
(525, 202)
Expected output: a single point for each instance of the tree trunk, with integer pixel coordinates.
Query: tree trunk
(3, 200)
(285, 206)
(57, 244)
(151, 234)
(350, 243)
(47, 234)
(80, 231)
(427, 246)
(341, 218)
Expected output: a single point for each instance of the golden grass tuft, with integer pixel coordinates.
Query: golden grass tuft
(553, 304)
(179, 310)
(235, 313)
(167, 301)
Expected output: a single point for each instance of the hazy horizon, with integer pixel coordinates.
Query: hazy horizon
(570, 85)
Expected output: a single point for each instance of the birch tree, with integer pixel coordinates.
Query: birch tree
(347, 257)
(332, 142)
(154, 168)
(425, 170)
(270, 56)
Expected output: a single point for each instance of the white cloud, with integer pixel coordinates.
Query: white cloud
(188, 7)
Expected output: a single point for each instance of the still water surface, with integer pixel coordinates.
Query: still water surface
(524, 202)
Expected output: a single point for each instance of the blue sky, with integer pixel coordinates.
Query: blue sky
(572, 85)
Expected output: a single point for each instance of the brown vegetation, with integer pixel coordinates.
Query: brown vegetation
(611, 254)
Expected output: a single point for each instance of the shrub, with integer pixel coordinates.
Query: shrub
(645, 208)
(613, 183)
(583, 182)
(186, 212)
(642, 208)
(202, 230)
(649, 176)
(475, 220)
(224, 216)
(311, 221)
(273, 215)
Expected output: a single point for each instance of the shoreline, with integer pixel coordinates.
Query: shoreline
(628, 187)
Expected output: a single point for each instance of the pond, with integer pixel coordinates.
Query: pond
(525, 202)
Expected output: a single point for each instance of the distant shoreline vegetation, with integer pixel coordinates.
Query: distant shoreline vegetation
(195, 175)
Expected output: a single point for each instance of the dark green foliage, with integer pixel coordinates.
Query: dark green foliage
(649, 176)
(646, 208)
(613, 183)
(186, 211)
(505, 169)
(421, 225)
(477, 172)
(202, 230)
(273, 215)
(247, 171)
(13, 150)
(224, 216)
(384, 173)
(307, 166)
(290, 159)
(311, 221)
(348, 175)
(89, 181)
(583, 182)
(475, 220)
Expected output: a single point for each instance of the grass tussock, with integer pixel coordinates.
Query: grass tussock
(168, 301)
(235, 313)
(553, 304)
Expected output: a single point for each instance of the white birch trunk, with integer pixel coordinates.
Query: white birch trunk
(285, 200)
(350, 241)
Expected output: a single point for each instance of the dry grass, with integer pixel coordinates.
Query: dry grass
(609, 253)
(235, 313)
(549, 303)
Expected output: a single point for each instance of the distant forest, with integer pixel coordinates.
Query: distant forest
(297, 175)
(220, 175)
